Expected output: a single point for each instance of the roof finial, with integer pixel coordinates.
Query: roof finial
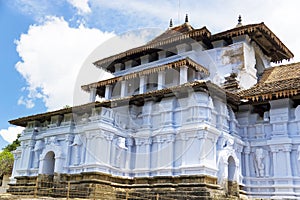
(186, 18)
(239, 21)
(171, 23)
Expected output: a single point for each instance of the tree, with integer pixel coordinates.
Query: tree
(14, 145)
(6, 162)
(7, 158)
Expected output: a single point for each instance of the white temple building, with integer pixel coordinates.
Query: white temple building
(189, 110)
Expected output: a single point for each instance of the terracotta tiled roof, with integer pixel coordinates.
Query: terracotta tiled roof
(175, 64)
(171, 32)
(263, 36)
(260, 33)
(158, 43)
(199, 85)
(276, 82)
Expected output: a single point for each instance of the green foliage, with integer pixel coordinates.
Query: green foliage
(6, 162)
(7, 158)
(13, 146)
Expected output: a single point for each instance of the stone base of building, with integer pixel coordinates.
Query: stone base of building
(104, 186)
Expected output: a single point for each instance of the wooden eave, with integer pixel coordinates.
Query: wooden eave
(186, 61)
(196, 34)
(205, 86)
(263, 36)
(271, 91)
(81, 109)
(276, 82)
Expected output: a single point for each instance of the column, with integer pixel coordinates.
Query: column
(128, 64)
(68, 140)
(109, 139)
(247, 161)
(129, 144)
(161, 54)
(59, 163)
(181, 48)
(161, 80)
(93, 94)
(88, 153)
(145, 59)
(183, 74)
(30, 154)
(146, 115)
(142, 159)
(108, 91)
(118, 67)
(170, 153)
(197, 46)
(142, 84)
(148, 143)
(287, 150)
(123, 88)
(274, 151)
(247, 166)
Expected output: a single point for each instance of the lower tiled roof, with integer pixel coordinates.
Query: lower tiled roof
(276, 82)
(199, 85)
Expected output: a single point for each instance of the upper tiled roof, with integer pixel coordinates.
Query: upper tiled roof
(276, 82)
(159, 42)
(263, 36)
(171, 32)
(260, 33)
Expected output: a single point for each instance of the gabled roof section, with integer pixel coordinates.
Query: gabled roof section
(276, 82)
(263, 36)
(174, 31)
(160, 42)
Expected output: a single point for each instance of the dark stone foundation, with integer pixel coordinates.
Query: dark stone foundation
(103, 186)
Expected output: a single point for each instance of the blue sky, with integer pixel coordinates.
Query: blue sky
(45, 43)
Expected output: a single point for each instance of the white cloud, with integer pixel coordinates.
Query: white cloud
(81, 5)
(52, 54)
(89, 73)
(11, 133)
(26, 102)
(280, 16)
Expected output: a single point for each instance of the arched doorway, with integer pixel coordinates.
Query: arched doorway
(49, 163)
(232, 183)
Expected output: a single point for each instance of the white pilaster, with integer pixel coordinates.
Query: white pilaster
(129, 144)
(161, 54)
(123, 88)
(197, 46)
(128, 64)
(274, 151)
(142, 84)
(287, 151)
(108, 91)
(109, 140)
(183, 74)
(145, 59)
(247, 161)
(181, 48)
(68, 140)
(161, 80)
(93, 94)
(118, 67)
